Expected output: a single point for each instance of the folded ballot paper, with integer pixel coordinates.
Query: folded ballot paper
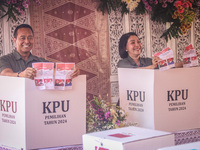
(45, 78)
(166, 59)
(190, 57)
(63, 78)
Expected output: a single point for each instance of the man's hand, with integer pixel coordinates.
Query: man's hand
(28, 73)
(198, 55)
(75, 73)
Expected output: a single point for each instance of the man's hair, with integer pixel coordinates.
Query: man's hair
(21, 26)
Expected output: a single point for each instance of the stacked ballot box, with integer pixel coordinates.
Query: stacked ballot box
(162, 100)
(33, 119)
(128, 138)
(189, 146)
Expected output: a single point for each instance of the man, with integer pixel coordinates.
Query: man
(19, 62)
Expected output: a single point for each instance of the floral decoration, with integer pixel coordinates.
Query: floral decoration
(13, 8)
(104, 116)
(179, 13)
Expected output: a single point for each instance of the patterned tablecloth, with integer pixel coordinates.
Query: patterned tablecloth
(181, 137)
(189, 136)
(74, 147)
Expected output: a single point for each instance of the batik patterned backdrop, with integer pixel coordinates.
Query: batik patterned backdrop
(73, 31)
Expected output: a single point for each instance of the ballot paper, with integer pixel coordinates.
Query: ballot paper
(63, 79)
(166, 59)
(45, 78)
(44, 75)
(190, 57)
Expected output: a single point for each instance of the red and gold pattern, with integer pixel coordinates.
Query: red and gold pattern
(73, 31)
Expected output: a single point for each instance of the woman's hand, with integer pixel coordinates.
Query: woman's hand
(155, 61)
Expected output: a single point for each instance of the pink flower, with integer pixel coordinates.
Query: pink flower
(177, 3)
(20, 10)
(28, 2)
(190, 4)
(150, 8)
(150, 1)
(38, 3)
(100, 118)
(180, 9)
(164, 5)
(147, 6)
(185, 5)
(155, 2)
(25, 5)
(145, 2)
(107, 115)
(14, 1)
(8, 1)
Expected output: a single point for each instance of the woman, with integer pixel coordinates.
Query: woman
(130, 49)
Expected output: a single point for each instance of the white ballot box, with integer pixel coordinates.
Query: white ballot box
(127, 138)
(189, 146)
(32, 118)
(163, 100)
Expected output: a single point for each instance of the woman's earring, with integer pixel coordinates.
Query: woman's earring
(126, 50)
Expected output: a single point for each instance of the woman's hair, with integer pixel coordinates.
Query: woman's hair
(122, 44)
